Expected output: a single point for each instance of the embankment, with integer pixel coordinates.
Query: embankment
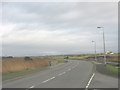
(19, 64)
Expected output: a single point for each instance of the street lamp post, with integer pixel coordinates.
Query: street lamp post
(95, 49)
(103, 44)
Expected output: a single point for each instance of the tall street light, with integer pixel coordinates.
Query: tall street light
(95, 49)
(103, 43)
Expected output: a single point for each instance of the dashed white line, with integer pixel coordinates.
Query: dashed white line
(52, 78)
(48, 80)
(62, 73)
(90, 80)
(32, 86)
(45, 81)
(74, 66)
(96, 62)
(59, 74)
(68, 69)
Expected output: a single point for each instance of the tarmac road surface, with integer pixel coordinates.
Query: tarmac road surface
(73, 74)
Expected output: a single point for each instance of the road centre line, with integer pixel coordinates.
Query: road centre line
(32, 86)
(90, 80)
(62, 73)
(42, 82)
(96, 62)
(68, 69)
(53, 77)
(48, 80)
(74, 67)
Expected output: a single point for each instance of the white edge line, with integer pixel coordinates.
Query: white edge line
(90, 80)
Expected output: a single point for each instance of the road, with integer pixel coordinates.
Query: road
(103, 78)
(74, 74)
(104, 81)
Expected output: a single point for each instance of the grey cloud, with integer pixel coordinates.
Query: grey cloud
(49, 13)
(76, 20)
(55, 16)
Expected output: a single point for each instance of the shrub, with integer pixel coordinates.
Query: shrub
(27, 58)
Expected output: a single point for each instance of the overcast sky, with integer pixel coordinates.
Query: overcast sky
(48, 28)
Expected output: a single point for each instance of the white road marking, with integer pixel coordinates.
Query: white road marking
(68, 69)
(90, 80)
(97, 62)
(75, 66)
(32, 86)
(45, 81)
(52, 78)
(61, 73)
(48, 80)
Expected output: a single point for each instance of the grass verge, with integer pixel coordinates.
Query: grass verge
(113, 69)
(18, 67)
(18, 74)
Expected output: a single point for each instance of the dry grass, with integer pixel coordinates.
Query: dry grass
(19, 64)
